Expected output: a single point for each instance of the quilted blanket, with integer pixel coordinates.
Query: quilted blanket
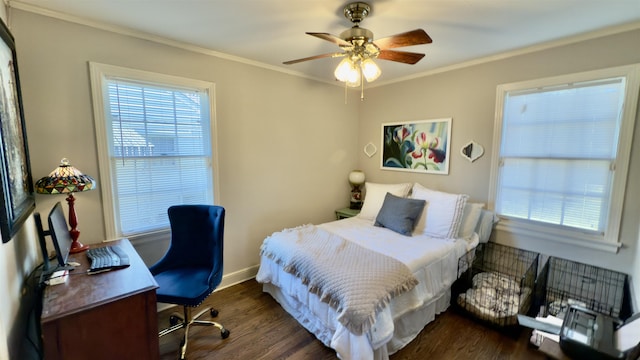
(357, 282)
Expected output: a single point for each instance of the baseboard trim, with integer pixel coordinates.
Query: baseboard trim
(238, 277)
(227, 281)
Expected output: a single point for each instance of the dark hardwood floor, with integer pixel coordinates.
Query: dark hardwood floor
(261, 329)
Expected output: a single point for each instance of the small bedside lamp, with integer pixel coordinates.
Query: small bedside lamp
(356, 178)
(66, 179)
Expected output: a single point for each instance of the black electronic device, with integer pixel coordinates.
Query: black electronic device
(60, 238)
(589, 335)
(60, 235)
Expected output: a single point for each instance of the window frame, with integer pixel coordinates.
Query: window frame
(609, 241)
(98, 76)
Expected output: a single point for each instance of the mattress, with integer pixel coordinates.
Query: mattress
(433, 262)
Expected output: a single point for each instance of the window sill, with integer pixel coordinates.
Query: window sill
(149, 237)
(554, 234)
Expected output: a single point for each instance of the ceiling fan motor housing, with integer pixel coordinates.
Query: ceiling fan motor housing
(357, 11)
(357, 33)
(361, 39)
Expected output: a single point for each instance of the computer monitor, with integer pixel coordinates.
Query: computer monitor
(60, 238)
(60, 235)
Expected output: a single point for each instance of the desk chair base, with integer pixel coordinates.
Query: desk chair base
(185, 323)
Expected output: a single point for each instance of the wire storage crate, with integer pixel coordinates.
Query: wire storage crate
(496, 283)
(569, 282)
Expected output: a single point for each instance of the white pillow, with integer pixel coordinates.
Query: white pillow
(470, 218)
(374, 197)
(442, 216)
(485, 224)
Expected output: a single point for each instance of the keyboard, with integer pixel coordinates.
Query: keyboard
(106, 258)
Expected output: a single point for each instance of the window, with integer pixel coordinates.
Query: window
(154, 136)
(562, 153)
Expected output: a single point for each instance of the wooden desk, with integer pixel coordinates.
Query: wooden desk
(111, 315)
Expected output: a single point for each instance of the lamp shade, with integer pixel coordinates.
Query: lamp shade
(65, 179)
(356, 177)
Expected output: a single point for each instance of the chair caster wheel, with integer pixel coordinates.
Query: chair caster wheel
(214, 312)
(224, 333)
(174, 320)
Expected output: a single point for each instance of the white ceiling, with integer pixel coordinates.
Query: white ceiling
(272, 31)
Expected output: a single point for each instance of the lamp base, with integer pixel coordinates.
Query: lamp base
(77, 246)
(356, 198)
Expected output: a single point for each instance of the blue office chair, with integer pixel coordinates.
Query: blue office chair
(192, 267)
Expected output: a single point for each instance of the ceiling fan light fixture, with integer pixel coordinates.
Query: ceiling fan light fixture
(342, 70)
(370, 70)
(354, 79)
(348, 72)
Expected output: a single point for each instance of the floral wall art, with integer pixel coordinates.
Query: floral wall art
(418, 146)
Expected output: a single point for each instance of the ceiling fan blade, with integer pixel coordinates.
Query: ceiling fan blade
(313, 58)
(331, 38)
(400, 56)
(414, 37)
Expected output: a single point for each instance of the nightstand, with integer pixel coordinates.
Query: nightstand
(346, 213)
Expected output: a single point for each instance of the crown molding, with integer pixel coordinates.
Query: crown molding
(522, 51)
(201, 50)
(153, 38)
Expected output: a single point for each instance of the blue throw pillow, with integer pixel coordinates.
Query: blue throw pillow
(400, 214)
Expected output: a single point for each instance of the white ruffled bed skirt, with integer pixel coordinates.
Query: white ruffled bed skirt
(394, 328)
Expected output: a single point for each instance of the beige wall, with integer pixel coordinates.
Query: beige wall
(468, 95)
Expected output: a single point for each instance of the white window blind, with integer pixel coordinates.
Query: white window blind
(156, 135)
(563, 148)
(160, 151)
(558, 152)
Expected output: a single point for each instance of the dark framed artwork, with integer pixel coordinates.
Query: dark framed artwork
(418, 146)
(16, 189)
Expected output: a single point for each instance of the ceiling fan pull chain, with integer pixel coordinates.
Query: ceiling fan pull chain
(362, 86)
(345, 93)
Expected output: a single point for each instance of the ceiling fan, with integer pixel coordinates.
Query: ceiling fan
(359, 48)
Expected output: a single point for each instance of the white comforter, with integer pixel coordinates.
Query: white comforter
(433, 262)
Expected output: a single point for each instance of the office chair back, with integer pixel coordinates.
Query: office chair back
(197, 242)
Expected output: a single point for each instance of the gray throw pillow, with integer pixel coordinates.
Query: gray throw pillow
(399, 214)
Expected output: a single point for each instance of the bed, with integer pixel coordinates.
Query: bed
(424, 243)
